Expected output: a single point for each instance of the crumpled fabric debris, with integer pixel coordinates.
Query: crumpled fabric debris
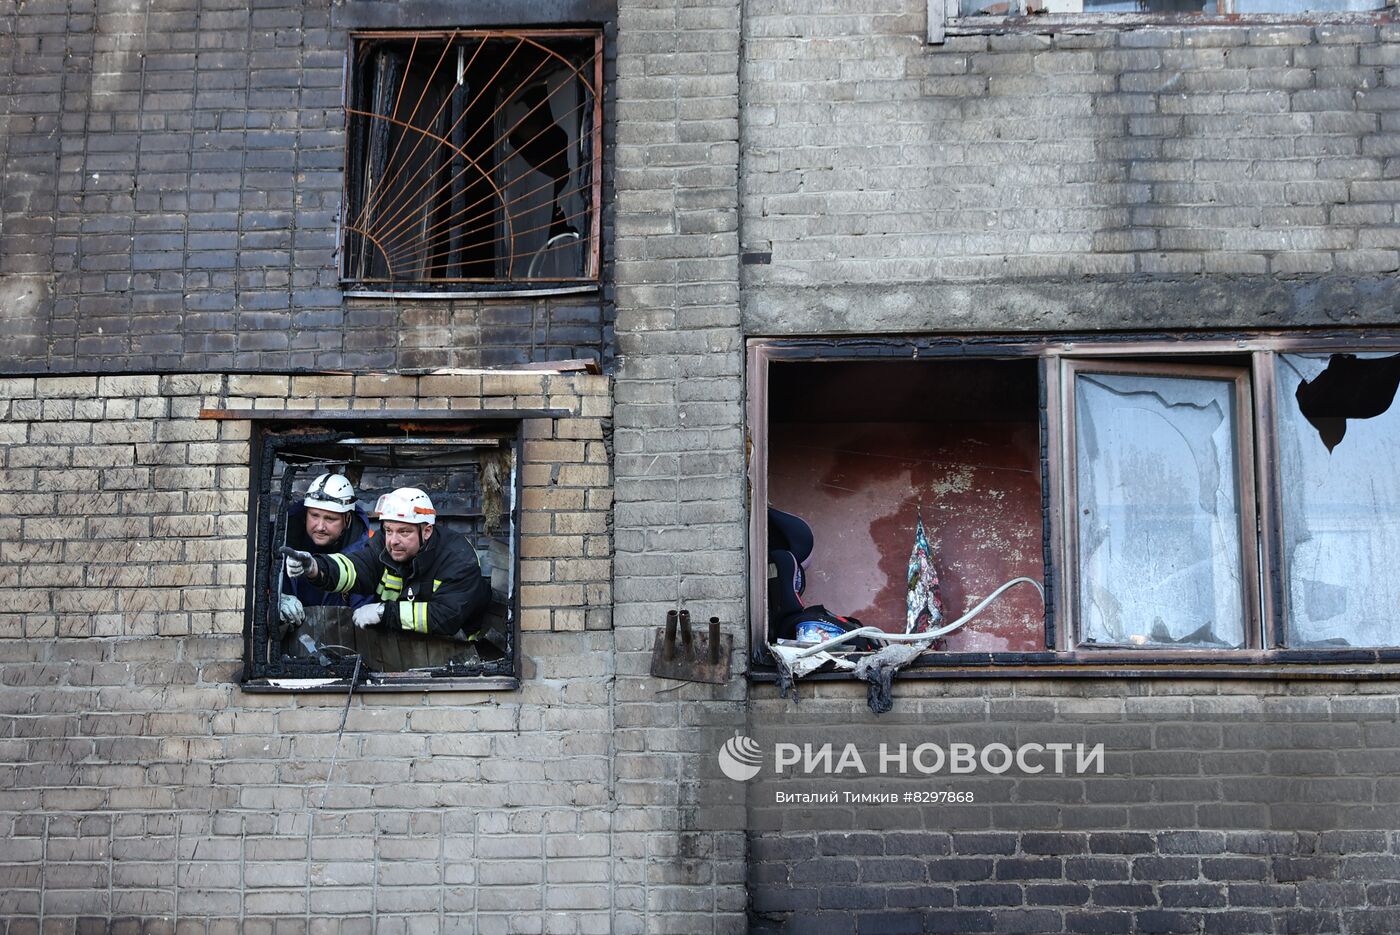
(787, 681)
(924, 603)
(791, 668)
(879, 669)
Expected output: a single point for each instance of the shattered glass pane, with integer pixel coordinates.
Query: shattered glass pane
(1168, 7)
(1307, 6)
(1149, 6)
(1160, 556)
(1339, 444)
(989, 7)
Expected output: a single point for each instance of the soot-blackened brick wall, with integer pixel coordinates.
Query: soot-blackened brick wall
(1219, 808)
(1031, 181)
(1111, 882)
(171, 183)
(1227, 176)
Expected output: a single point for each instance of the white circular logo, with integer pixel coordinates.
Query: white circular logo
(740, 758)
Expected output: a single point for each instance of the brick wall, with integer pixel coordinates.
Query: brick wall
(679, 516)
(172, 174)
(170, 189)
(1085, 882)
(1222, 807)
(1150, 177)
(140, 787)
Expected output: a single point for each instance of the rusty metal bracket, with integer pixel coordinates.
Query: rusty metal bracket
(702, 657)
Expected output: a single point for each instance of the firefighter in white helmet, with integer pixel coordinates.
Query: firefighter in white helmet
(327, 520)
(424, 582)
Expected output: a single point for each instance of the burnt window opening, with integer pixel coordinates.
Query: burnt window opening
(1339, 446)
(469, 472)
(862, 450)
(1228, 500)
(1349, 387)
(473, 161)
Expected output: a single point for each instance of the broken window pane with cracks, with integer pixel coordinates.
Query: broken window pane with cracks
(1307, 6)
(1160, 556)
(473, 158)
(1035, 7)
(1149, 6)
(990, 7)
(1339, 444)
(1174, 8)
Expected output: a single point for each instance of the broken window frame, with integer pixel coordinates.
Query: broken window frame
(1243, 459)
(1252, 356)
(279, 429)
(360, 161)
(945, 18)
(1290, 536)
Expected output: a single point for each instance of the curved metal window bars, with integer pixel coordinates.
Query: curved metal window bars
(473, 160)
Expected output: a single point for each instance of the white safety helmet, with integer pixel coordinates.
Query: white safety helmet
(331, 492)
(406, 505)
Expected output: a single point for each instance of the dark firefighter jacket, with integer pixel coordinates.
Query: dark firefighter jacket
(440, 590)
(310, 595)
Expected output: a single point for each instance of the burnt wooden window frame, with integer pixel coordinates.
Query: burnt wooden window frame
(359, 286)
(271, 431)
(944, 19)
(1242, 458)
(1251, 357)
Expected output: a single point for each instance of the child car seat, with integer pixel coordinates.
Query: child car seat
(790, 533)
(790, 543)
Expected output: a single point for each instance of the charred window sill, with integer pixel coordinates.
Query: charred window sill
(1114, 22)
(506, 292)
(1280, 664)
(415, 683)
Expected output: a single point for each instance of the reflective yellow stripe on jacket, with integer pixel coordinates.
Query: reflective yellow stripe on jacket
(413, 615)
(390, 586)
(345, 570)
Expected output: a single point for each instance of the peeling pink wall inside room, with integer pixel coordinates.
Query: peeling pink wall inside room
(861, 486)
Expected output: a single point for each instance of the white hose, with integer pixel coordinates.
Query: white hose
(875, 633)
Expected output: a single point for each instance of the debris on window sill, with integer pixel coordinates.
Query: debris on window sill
(796, 660)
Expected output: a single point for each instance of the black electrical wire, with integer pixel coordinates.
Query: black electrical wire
(344, 716)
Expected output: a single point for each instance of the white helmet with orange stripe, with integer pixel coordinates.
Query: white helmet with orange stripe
(406, 505)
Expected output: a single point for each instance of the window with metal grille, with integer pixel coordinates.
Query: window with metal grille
(473, 161)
